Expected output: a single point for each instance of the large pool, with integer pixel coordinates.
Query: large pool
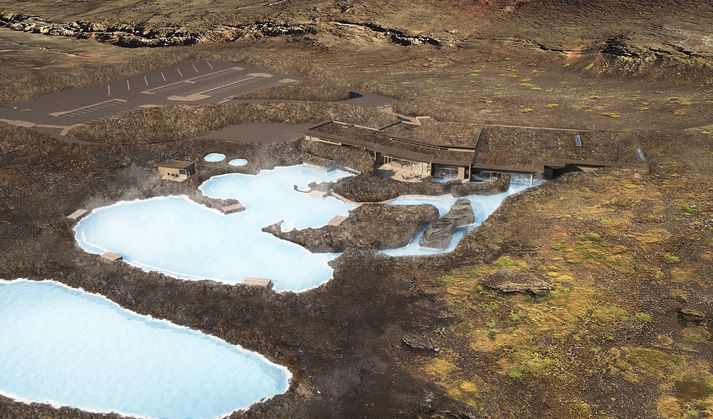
(65, 347)
(184, 239)
(181, 238)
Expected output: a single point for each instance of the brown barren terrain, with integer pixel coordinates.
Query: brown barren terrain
(587, 296)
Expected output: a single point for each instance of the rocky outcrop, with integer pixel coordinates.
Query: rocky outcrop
(128, 35)
(438, 235)
(482, 188)
(357, 159)
(396, 36)
(693, 315)
(420, 342)
(133, 36)
(509, 280)
(369, 226)
(372, 188)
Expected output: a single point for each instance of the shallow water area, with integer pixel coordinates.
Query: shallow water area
(66, 347)
(214, 157)
(181, 238)
(483, 207)
(238, 162)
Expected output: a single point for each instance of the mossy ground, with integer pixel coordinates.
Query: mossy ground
(623, 260)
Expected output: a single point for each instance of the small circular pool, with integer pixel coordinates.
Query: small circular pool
(214, 157)
(238, 162)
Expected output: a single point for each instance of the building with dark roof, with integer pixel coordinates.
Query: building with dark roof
(420, 148)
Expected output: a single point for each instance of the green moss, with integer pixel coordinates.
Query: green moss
(636, 362)
(692, 390)
(492, 306)
(557, 246)
(645, 317)
(688, 209)
(592, 236)
(671, 259)
(605, 221)
(515, 373)
(696, 334)
(505, 261)
(448, 279)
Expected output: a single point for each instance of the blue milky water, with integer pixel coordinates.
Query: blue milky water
(65, 347)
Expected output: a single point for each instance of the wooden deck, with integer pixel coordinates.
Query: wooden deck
(111, 257)
(258, 282)
(76, 215)
(337, 221)
(231, 209)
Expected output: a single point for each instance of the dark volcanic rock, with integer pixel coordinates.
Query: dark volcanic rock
(357, 159)
(369, 226)
(372, 188)
(461, 213)
(693, 315)
(518, 280)
(482, 188)
(419, 342)
(439, 234)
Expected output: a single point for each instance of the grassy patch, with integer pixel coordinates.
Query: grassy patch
(527, 361)
(634, 363)
(440, 367)
(696, 334)
(689, 209)
(670, 259)
(505, 261)
(644, 317)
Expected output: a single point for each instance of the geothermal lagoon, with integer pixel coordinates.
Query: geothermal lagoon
(181, 238)
(186, 240)
(65, 347)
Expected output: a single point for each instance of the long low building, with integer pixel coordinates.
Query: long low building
(405, 147)
(421, 148)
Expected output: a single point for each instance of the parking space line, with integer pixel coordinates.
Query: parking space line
(194, 67)
(93, 107)
(146, 81)
(162, 76)
(219, 89)
(210, 65)
(179, 72)
(192, 80)
(128, 86)
(108, 90)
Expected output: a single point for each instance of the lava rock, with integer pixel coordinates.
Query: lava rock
(518, 280)
(439, 234)
(692, 315)
(419, 342)
(482, 188)
(369, 226)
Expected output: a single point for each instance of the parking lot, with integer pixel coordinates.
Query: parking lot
(195, 82)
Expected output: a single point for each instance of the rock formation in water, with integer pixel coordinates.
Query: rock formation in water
(439, 234)
(369, 226)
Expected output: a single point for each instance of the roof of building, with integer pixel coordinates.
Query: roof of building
(531, 149)
(174, 164)
(493, 147)
(397, 147)
(428, 131)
